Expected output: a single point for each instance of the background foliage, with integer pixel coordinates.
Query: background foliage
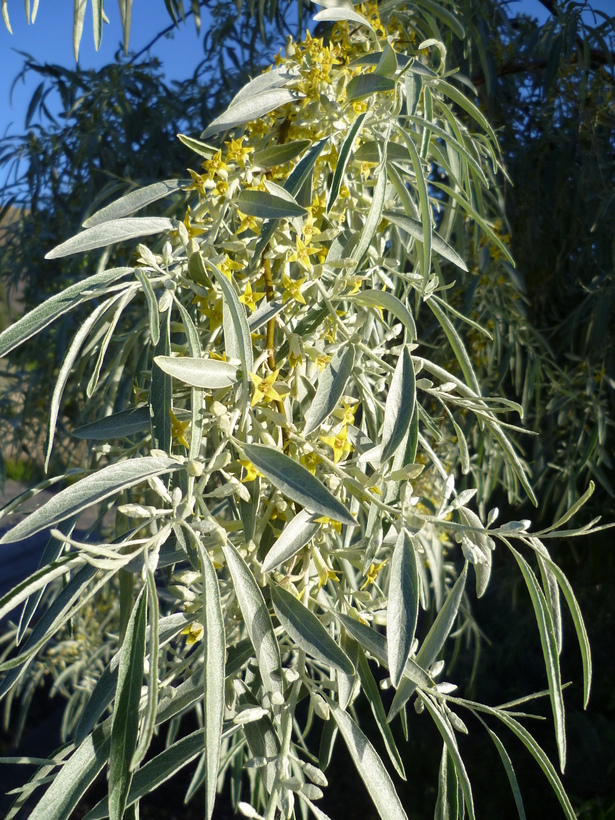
(549, 93)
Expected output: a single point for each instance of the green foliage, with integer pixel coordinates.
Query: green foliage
(295, 474)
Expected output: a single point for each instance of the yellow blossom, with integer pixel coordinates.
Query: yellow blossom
(250, 223)
(292, 289)
(346, 415)
(251, 471)
(301, 254)
(216, 167)
(338, 443)
(264, 388)
(178, 428)
(194, 632)
(310, 462)
(372, 574)
(237, 152)
(249, 298)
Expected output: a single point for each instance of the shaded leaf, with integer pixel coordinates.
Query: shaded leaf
(331, 385)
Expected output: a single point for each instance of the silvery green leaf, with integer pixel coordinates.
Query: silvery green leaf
(344, 12)
(29, 325)
(109, 233)
(399, 407)
(97, 21)
(373, 218)
(510, 772)
(78, 20)
(293, 538)
(136, 200)
(36, 583)
(279, 154)
(152, 635)
(342, 159)
(384, 299)
(331, 386)
(295, 481)
(256, 619)
(243, 340)
(425, 206)
(124, 423)
(548, 641)
(196, 398)
(249, 108)
(370, 152)
(90, 490)
(413, 85)
(376, 644)
(456, 343)
(367, 84)
(265, 205)
(307, 631)
(415, 229)
(267, 81)
(161, 390)
(370, 689)
(403, 605)
(370, 767)
(155, 772)
(387, 64)
(125, 718)
(264, 745)
(75, 776)
(66, 369)
(434, 641)
(468, 106)
(451, 744)
(214, 657)
(152, 306)
(267, 311)
(200, 148)
(210, 374)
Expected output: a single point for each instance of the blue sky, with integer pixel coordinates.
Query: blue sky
(50, 40)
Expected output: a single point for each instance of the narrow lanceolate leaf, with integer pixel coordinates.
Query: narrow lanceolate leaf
(331, 386)
(343, 12)
(75, 777)
(510, 772)
(196, 399)
(387, 301)
(279, 154)
(96, 487)
(376, 644)
(257, 620)
(153, 640)
(66, 369)
(434, 641)
(373, 218)
(125, 720)
(78, 19)
(135, 200)
(267, 81)
(415, 229)
(458, 347)
(370, 767)
(155, 772)
(152, 306)
(367, 84)
(200, 148)
(97, 22)
(264, 205)
(161, 389)
(29, 325)
(251, 108)
(211, 374)
(448, 736)
(426, 215)
(541, 758)
(109, 233)
(549, 651)
(214, 656)
(243, 340)
(370, 688)
(399, 407)
(342, 160)
(403, 606)
(307, 632)
(296, 482)
(124, 423)
(294, 537)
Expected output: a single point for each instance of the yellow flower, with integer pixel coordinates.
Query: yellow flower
(212, 308)
(216, 167)
(372, 574)
(324, 571)
(264, 388)
(228, 265)
(301, 254)
(338, 443)
(251, 471)
(249, 298)
(193, 226)
(237, 152)
(194, 632)
(346, 415)
(247, 223)
(310, 462)
(178, 429)
(292, 289)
